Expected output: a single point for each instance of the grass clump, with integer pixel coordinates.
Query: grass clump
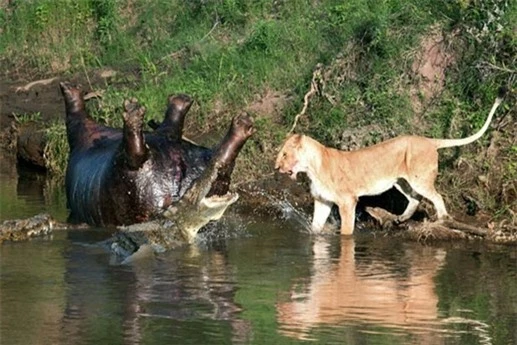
(56, 149)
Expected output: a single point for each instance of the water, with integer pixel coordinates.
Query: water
(251, 280)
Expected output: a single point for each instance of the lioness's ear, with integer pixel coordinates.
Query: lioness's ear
(297, 139)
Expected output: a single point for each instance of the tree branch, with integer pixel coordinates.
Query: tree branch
(316, 79)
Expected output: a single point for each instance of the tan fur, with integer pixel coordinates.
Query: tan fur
(341, 177)
(341, 290)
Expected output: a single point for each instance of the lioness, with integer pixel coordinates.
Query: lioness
(341, 177)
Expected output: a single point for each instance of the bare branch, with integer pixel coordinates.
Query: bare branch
(495, 67)
(316, 79)
(211, 30)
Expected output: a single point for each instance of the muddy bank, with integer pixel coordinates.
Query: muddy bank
(28, 107)
(26, 110)
(42, 97)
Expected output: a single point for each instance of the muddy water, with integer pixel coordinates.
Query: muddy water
(250, 280)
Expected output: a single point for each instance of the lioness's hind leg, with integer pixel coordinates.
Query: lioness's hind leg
(321, 213)
(422, 176)
(429, 192)
(413, 199)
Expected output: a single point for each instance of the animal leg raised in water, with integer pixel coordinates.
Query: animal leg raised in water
(135, 150)
(240, 130)
(81, 128)
(172, 125)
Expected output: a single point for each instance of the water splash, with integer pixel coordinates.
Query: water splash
(288, 211)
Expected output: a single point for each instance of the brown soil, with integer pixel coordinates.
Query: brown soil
(29, 98)
(429, 66)
(267, 105)
(40, 102)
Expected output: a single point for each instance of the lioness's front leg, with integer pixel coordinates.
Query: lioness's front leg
(321, 213)
(347, 213)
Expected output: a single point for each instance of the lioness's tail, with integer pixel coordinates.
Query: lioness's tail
(443, 143)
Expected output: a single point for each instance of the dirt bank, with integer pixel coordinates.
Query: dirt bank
(28, 107)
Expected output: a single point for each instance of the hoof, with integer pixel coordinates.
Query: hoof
(74, 101)
(181, 102)
(133, 114)
(70, 89)
(242, 125)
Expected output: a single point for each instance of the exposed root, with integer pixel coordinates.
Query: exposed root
(27, 87)
(430, 231)
(315, 87)
(441, 230)
(331, 77)
(93, 94)
(469, 229)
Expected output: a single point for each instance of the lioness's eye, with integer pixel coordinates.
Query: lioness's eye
(284, 154)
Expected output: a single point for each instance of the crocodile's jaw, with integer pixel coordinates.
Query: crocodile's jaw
(189, 218)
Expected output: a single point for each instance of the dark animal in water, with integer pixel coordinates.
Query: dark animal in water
(127, 176)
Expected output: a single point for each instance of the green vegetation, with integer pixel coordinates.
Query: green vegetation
(232, 55)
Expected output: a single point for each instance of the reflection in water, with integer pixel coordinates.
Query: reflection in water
(183, 295)
(25, 193)
(362, 289)
(31, 293)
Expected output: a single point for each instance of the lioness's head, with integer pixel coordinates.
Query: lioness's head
(290, 157)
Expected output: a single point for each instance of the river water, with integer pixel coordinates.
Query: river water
(250, 280)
